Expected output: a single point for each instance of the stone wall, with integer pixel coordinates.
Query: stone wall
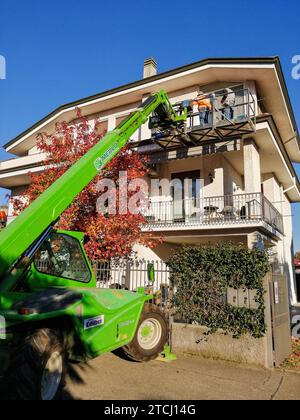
(193, 339)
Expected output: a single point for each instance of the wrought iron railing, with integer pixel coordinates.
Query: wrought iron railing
(222, 210)
(130, 273)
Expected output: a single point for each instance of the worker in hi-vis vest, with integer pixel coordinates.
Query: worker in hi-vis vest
(204, 107)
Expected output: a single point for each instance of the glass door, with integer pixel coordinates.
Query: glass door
(185, 194)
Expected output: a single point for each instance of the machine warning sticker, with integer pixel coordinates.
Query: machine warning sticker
(93, 322)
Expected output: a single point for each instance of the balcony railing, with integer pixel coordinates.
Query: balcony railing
(223, 210)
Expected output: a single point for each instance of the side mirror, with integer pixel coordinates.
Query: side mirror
(151, 273)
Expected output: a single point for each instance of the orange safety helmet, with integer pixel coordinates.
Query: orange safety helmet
(3, 216)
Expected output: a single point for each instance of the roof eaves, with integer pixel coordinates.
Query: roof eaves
(208, 61)
(287, 96)
(269, 118)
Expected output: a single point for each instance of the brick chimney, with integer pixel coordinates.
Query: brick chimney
(150, 67)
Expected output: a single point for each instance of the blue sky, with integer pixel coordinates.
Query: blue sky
(59, 51)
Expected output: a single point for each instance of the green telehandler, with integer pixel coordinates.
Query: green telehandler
(51, 311)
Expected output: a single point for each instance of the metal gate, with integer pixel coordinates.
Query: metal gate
(133, 274)
(130, 274)
(280, 313)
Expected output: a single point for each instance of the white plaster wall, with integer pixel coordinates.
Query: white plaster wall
(283, 250)
(213, 165)
(166, 170)
(252, 170)
(16, 193)
(233, 181)
(146, 253)
(287, 247)
(250, 84)
(143, 133)
(226, 179)
(33, 151)
(272, 190)
(160, 253)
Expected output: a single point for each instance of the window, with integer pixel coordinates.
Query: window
(185, 193)
(62, 256)
(194, 179)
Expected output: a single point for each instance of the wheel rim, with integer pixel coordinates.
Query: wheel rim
(51, 377)
(149, 333)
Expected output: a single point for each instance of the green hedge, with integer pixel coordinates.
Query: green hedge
(202, 276)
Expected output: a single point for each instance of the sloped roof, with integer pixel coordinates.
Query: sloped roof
(202, 63)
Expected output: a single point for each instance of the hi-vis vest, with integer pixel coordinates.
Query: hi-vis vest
(203, 102)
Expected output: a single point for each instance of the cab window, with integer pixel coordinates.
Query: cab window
(62, 256)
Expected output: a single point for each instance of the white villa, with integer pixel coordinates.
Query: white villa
(245, 164)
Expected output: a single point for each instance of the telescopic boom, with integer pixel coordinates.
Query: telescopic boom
(34, 221)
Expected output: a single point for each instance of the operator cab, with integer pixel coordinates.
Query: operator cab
(168, 130)
(61, 260)
(161, 118)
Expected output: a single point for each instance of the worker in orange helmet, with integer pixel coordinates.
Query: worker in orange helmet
(204, 107)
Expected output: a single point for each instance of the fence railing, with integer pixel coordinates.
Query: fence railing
(272, 215)
(130, 274)
(222, 210)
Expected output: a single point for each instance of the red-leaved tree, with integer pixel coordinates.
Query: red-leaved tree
(108, 235)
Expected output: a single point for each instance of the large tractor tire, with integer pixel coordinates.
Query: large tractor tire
(39, 367)
(151, 335)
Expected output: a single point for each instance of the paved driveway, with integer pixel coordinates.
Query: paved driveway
(110, 377)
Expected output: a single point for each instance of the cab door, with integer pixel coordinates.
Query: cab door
(61, 262)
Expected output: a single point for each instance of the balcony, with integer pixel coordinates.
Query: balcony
(224, 211)
(221, 123)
